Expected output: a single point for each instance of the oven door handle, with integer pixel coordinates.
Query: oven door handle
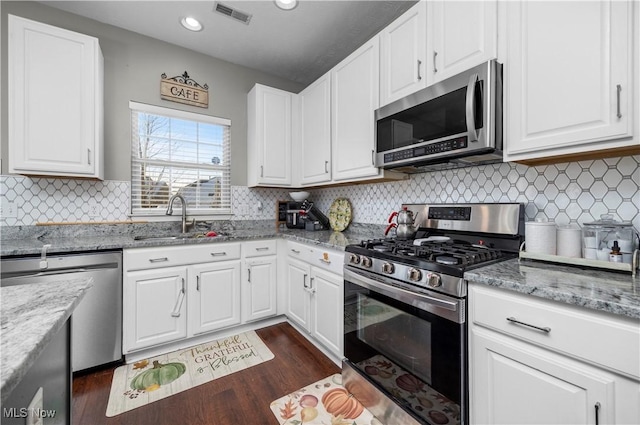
(408, 297)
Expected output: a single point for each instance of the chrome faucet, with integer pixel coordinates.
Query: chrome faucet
(184, 211)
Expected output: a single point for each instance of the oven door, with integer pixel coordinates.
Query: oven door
(410, 346)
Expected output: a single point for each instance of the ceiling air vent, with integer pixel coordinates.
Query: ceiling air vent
(236, 14)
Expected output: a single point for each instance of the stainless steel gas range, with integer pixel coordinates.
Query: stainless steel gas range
(405, 330)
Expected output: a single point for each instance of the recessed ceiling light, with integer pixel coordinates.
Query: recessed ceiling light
(192, 24)
(286, 4)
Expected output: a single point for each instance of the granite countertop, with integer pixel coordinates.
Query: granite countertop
(612, 292)
(98, 242)
(32, 314)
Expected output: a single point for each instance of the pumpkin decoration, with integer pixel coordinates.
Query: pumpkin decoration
(160, 374)
(438, 417)
(409, 383)
(338, 401)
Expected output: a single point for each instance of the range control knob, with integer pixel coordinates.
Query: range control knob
(354, 259)
(414, 275)
(388, 268)
(366, 262)
(433, 280)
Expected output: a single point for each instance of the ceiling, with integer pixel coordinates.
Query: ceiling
(299, 45)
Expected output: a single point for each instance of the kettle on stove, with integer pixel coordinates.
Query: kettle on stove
(405, 228)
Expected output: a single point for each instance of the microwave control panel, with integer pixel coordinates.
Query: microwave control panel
(430, 149)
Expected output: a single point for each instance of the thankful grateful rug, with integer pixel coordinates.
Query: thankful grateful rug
(325, 402)
(153, 379)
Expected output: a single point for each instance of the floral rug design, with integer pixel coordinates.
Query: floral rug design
(153, 379)
(325, 402)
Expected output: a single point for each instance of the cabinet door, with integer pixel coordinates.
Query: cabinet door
(269, 136)
(55, 101)
(214, 296)
(154, 307)
(327, 309)
(298, 296)
(315, 131)
(355, 97)
(462, 34)
(403, 51)
(568, 80)
(259, 289)
(515, 383)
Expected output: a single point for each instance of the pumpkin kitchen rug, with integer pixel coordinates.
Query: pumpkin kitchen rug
(153, 379)
(325, 402)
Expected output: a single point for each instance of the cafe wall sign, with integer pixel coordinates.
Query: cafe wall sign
(184, 89)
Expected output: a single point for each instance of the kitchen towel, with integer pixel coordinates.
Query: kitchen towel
(153, 379)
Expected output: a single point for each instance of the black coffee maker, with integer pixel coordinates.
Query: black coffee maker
(304, 215)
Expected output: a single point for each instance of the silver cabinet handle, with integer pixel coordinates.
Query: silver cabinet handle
(158, 260)
(249, 275)
(419, 64)
(470, 110)
(312, 290)
(373, 157)
(295, 251)
(618, 90)
(326, 166)
(517, 322)
(262, 171)
(597, 407)
(304, 281)
(178, 306)
(324, 261)
(263, 248)
(89, 154)
(218, 254)
(198, 283)
(435, 69)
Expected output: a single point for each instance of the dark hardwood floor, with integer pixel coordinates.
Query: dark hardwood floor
(242, 398)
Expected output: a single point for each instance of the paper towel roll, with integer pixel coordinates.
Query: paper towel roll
(568, 241)
(540, 237)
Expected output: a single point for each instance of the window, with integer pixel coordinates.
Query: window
(176, 152)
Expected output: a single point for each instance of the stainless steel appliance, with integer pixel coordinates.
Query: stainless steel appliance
(454, 123)
(96, 324)
(405, 330)
(305, 215)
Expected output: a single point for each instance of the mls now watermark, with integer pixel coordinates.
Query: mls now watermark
(23, 412)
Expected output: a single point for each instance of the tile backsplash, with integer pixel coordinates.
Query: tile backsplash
(575, 192)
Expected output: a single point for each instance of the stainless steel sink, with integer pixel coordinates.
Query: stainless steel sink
(169, 237)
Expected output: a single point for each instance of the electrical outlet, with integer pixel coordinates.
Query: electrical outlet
(36, 407)
(8, 209)
(93, 208)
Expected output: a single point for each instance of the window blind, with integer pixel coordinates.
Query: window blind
(178, 152)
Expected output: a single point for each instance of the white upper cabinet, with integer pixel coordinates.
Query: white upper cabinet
(55, 104)
(461, 35)
(403, 46)
(568, 79)
(269, 136)
(315, 132)
(355, 97)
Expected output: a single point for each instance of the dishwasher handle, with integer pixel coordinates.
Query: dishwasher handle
(30, 275)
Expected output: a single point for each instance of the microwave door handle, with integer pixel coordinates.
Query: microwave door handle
(471, 101)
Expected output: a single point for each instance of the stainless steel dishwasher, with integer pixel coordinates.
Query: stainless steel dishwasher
(96, 324)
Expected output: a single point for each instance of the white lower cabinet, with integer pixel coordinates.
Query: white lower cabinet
(167, 304)
(314, 288)
(259, 284)
(528, 362)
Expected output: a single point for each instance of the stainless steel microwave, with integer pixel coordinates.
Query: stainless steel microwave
(456, 122)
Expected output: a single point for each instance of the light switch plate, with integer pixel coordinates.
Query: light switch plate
(8, 209)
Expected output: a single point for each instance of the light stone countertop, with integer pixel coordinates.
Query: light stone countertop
(32, 314)
(612, 292)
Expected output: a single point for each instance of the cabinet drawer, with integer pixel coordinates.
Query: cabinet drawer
(259, 248)
(606, 340)
(151, 258)
(298, 250)
(326, 259)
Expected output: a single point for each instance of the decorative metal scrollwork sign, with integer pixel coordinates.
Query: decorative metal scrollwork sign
(184, 89)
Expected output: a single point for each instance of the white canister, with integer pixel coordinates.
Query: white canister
(568, 241)
(540, 237)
